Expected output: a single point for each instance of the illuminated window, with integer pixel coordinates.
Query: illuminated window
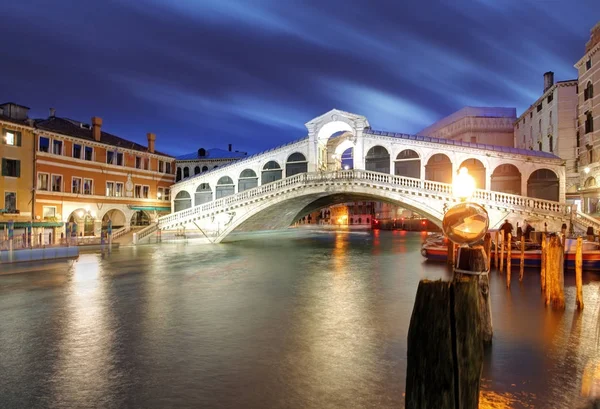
(56, 183)
(76, 186)
(88, 187)
(12, 138)
(119, 189)
(110, 188)
(57, 147)
(43, 181)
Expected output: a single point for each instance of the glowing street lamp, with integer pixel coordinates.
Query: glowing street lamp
(587, 170)
(463, 185)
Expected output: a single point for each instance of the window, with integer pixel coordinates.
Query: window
(588, 64)
(10, 202)
(44, 144)
(540, 125)
(550, 98)
(76, 186)
(160, 193)
(119, 189)
(531, 114)
(110, 157)
(204, 168)
(145, 191)
(48, 212)
(588, 92)
(11, 167)
(161, 166)
(137, 191)
(138, 162)
(186, 172)
(551, 143)
(77, 151)
(146, 163)
(120, 158)
(56, 183)
(167, 195)
(43, 181)
(473, 139)
(196, 170)
(88, 187)
(12, 138)
(110, 188)
(88, 153)
(539, 107)
(168, 167)
(57, 147)
(589, 122)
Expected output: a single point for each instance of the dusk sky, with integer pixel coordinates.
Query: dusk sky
(205, 73)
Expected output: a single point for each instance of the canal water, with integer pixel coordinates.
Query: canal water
(318, 321)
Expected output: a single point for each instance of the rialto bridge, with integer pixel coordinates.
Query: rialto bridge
(342, 159)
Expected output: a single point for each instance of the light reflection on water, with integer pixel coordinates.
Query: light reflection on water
(317, 322)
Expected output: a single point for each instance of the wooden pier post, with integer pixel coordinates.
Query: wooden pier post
(522, 264)
(508, 260)
(502, 251)
(450, 259)
(578, 272)
(555, 274)
(543, 263)
(487, 245)
(497, 249)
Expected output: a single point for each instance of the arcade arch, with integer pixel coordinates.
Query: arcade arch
(225, 187)
(543, 184)
(506, 178)
(378, 159)
(476, 170)
(182, 201)
(271, 172)
(247, 180)
(296, 163)
(408, 164)
(439, 168)
(203, 194)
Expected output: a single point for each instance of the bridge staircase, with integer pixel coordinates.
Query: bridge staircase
(440, 194)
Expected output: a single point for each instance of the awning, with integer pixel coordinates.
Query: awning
(22, 225)
(152, 208)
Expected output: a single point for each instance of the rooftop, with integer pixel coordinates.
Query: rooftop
(212, 154)
(480, 112)
(83, 131)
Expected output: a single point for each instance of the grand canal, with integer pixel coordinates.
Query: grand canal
(318, 321)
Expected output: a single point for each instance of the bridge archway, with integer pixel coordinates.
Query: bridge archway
(337, 144)
(182, 201)
(543, 184)
(270, 172)
(408, 164)
(83, 222)
(116, 216)
(247, 180)
(225, 187)
(377, 159)
(197, 170)
(186, 172)
(203, 194)
(204, 168)
(439, 168)
(506, 178)
(476, 170)
(178, 177)
(296, 163)
(140, 218)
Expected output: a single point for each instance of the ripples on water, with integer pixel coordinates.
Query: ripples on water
(310, 322)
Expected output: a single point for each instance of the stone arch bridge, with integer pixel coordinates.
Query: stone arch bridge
(342, 160)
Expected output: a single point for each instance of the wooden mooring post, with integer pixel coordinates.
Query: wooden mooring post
(578, 273)
(496, 249)
(522, 264)
(508, 260)
(555, 273)
(543, 263)
(502, 251)
(487, 245)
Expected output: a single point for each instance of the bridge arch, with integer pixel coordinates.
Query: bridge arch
(377, 159)
(247, 180)
(408, 163)
(186, 172)
(506, 178)
(296, 163)
(590, 182)
(477, 170)
(116, 216)
(204, 168)
(543, 184)
(203, 194)
(439, 168)
(196, 170)
(271, 171)
(225, 187)
(182, 201)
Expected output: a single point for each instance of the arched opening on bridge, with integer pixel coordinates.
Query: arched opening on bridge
(296, 163)
(247, 180)
(336, 145)
(182, 201)
(439, 169)
(378, 160)
(225, 187)
(476, 170)
(271, 172)
(203, 194)
(186, 172)
(347, 158)
(204, 168)
(81, 222)
(140, 219)
(117, 218)
(329, 137)
(178, 177)
(196, 170)
(543, 184)
(590, 183)
(408, 164)
(506, 178)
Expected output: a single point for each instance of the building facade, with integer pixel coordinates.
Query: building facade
(550, 125)
(485, 125)
(203, 160)
(86, 178)
(588, 68)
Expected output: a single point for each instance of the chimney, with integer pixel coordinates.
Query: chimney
(151, 139)
(52, 112)
(96, 128)
(548, 80)
(229, 147)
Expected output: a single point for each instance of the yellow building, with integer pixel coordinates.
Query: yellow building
(16, 180)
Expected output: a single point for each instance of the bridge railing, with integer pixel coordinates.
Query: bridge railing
(428, 186)
(586, 221)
